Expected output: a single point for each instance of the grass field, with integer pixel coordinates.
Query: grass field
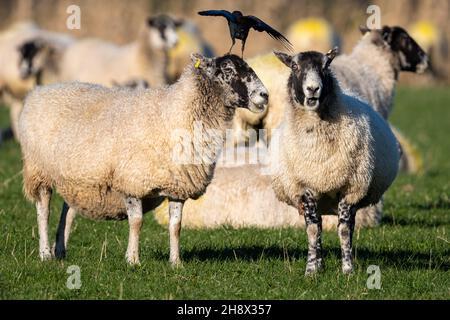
(411, 247)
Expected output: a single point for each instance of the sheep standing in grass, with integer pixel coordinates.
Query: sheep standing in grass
(333, 151)
(110, 152)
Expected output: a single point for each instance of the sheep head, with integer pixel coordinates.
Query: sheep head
(163, 33)
(311, 80)
(33, 57)
(408, 54)
(241, 86)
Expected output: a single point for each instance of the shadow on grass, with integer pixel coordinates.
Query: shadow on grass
(403, 259)
(419, 221)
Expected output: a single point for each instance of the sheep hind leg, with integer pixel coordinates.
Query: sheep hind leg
(43, 212)
(175, 215)
(63, 232)
(135, 219)
(313, 223)
(346, 226)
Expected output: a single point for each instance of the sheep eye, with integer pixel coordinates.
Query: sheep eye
(294, 66)
(227, 70)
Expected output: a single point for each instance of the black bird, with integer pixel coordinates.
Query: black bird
(240, 26)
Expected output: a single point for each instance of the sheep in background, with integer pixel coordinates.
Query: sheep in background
(190, 40)
(333, 152)
(110, 152)
(312, 34)
(97, 61)
(15, 80)
(242, 197)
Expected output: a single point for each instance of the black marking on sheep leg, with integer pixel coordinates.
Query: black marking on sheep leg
(313, 223)
(346, 226)
(60, 249)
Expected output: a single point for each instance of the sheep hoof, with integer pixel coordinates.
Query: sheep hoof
(347, 269)
(311, 271)
(175, 263)
(133, 260)
(45, 255)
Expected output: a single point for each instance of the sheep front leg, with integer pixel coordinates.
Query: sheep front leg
(134, 212)
(346, 225)
(175, 215)
(43, 212)
(313, 223)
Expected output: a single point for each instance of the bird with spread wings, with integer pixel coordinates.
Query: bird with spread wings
(240, 26)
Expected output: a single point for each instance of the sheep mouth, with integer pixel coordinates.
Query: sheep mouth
(422, 66)
(257, 108)
(312, 102)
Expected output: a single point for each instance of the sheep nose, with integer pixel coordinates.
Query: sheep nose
(264, 95)
(312, 89)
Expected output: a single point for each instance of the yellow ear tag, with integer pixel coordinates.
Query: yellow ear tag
(197, 64)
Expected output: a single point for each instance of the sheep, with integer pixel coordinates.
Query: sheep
(145, 58)
(15, 82)
(241, 197)
(333, 152)
(118, 150)
(190, 40)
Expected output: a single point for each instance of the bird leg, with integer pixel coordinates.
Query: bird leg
(242, 49)
(232, 45)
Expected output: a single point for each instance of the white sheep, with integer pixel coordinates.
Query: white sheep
(333, 152)
(97, 61)
(15, 82)
(111, 153)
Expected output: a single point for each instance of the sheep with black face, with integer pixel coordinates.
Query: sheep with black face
(128, 166)
(333, 153)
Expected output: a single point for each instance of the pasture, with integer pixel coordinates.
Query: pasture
(411, 246)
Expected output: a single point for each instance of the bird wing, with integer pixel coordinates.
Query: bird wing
(261, 26)
(218, 13)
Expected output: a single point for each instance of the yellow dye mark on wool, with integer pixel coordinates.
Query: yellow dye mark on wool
(186, 43)
(315, 26)
(197, 64)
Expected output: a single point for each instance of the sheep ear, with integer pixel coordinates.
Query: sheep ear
(200, 62)
(283, 57)
(329, 56)
(151, 21)
(178, 22)
(386, 34)
(364, 29)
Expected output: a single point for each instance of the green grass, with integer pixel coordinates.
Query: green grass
(411, 247)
